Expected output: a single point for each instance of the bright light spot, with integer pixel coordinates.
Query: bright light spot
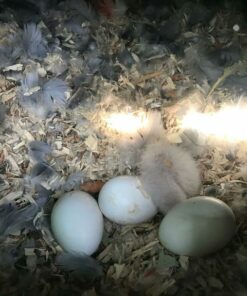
(236, 28)
(128, 123)
(229, 123)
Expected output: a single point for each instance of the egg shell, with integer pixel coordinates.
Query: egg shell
(123, 201)
(77, 223)
(197, 226)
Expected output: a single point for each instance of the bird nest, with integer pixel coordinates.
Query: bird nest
(84, 66)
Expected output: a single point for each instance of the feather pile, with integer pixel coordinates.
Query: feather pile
(18, 210)
(28, 43)
(43, 177)
(16, 214)
(42, 98)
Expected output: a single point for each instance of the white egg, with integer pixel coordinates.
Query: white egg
(197, 226)
(77, 223)
(122, 200)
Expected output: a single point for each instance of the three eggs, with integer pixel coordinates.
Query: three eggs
(195, 227)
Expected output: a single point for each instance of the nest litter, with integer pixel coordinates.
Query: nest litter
(133, 260)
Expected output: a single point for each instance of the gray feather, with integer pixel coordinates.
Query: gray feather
(74, 25)
(93, 62)
(34, 104)
(82, 33)
(202, 65)
(33, 42)
(43, 195)
(40, 194)
(84, 9)
(30, 81)
(73, 182)
(27, 43)
(83, 267)
(44, 174)
(42, 99)
(11, 51)
(168, 174)
(38, 150)
(54, 91)
(13, 217)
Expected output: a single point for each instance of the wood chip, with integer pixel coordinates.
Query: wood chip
(92, 186)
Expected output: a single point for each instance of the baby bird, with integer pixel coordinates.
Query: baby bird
(168, 174)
